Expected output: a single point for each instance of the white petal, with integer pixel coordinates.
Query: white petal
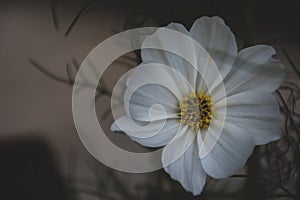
(200, 62)
(200, 138)
(186, 169)
(230, 153)
(178, 146)
(259, 113)
(178, 27)
(254, 68)
(151, 85)
(217, 39)
(170, 59)
(143, 99)
(155, 134)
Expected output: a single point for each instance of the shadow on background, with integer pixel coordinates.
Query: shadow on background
(28, 171)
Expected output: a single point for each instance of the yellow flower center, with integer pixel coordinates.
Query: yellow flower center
(196, 110)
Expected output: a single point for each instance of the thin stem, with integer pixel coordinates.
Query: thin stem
(47, 73)
(291, 62)
(267, 181)
(54, 14)
(78, 15)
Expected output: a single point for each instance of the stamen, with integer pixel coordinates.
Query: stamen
(196, 110)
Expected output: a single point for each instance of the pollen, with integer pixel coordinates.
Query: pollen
(196, 110)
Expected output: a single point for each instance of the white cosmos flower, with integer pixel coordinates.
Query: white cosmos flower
(191, 118)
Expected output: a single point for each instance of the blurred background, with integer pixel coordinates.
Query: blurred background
(42, 44)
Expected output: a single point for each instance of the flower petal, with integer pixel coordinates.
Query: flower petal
(199, 68)
(229, 153)
(254, 68)
(256, 112)
(155, 134)
(144, 99)
(187, 168)
(170, 59)
(217, 39)
(151, 85)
